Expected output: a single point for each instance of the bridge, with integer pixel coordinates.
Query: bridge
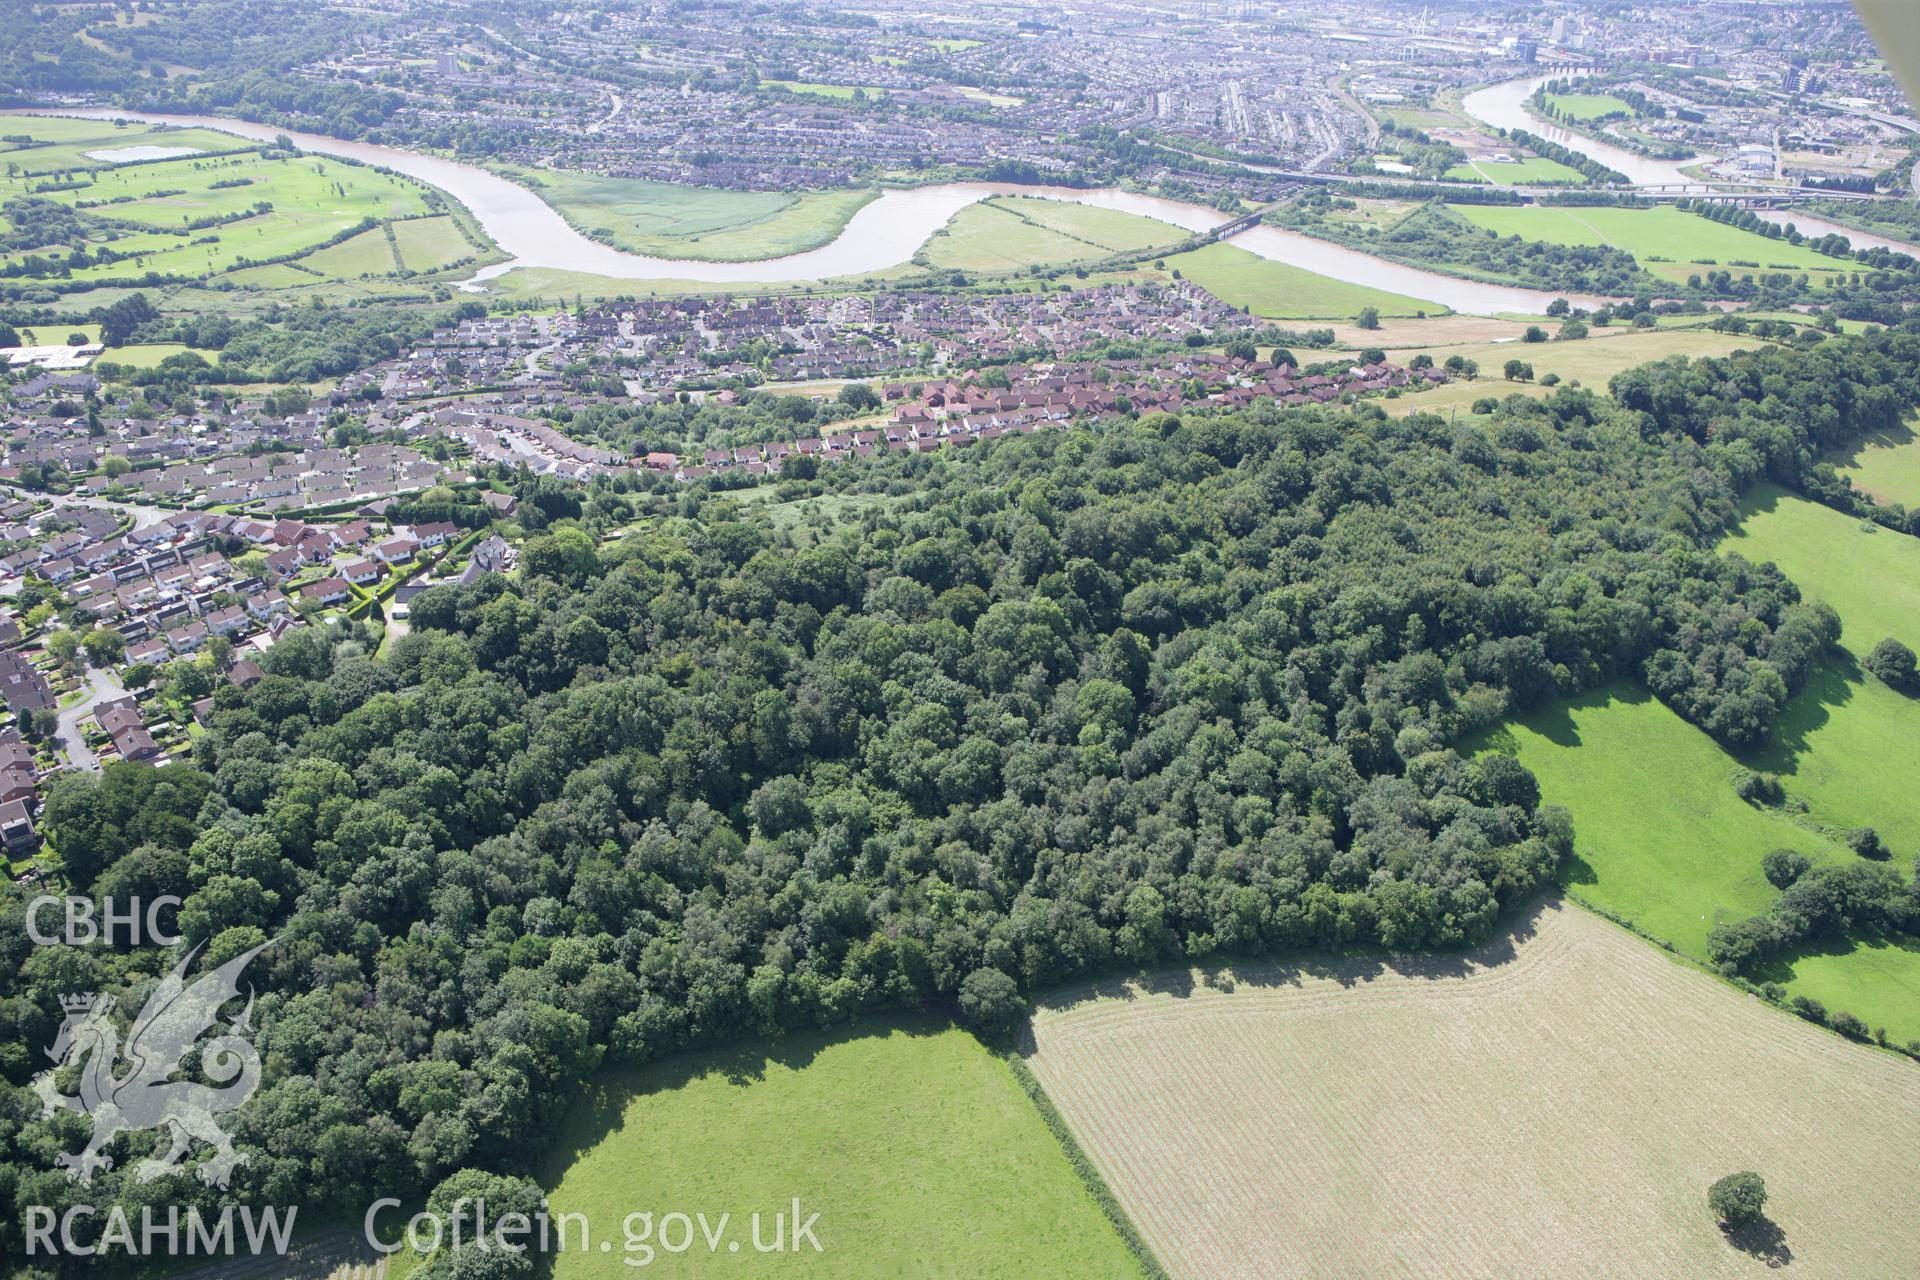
(1245, 222)
(1749, 197)
(1754, 197)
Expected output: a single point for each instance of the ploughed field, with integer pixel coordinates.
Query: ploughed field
(1553, 1105)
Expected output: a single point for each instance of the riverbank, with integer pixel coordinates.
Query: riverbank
(667, 220)
(884, 234)
(1504, 106)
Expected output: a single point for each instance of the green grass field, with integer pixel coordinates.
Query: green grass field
(1870, 575)
(915, 1145)
(1686, 243)
(1422, 118)
(1876, 980)
(428, 244)
(1588, 106)
(368, 254)
(843, 91)
(1533, 171)
(1007, 233)
(312, 199)
(671, 221)
(1886, 466)
(1278, 291)
(1662, 840)
(1660, 837)
(1848, 741)
(53, 129)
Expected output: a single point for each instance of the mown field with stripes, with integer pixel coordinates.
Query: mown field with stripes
(1554, 1105)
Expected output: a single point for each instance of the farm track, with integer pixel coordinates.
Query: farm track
(1553, 1105)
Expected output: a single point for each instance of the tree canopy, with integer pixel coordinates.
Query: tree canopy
(1146, 692)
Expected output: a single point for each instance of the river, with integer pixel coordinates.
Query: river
(1504, 105)
(885, 233)
(1808, 225)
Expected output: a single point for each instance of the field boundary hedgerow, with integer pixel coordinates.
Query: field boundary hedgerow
(1083, 1165)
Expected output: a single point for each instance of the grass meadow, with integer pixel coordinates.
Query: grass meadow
(1534, 171)
(368, 254)
(666, 220)
(1589, 106)
(842, 91)
(428, 244)
(1886, 466)
(1661, 838)
(915, 1144)
(1554, 1104)
(1870, 575)
(1009, 233)
(1671, 243)
(1849, 745)
(1275, 290)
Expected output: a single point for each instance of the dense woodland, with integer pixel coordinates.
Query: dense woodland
(1162, 689)
(245, 46)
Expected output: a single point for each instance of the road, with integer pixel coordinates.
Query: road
(143, 517)
(613, 113)
(1373, 126)
(533, 356)
(100, 685)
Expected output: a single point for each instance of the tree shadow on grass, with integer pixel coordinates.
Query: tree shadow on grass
(1832, 684)
(1854, 454)
(1763, 1239)
(1781, 966)
(600, 1106)
(1354, 968)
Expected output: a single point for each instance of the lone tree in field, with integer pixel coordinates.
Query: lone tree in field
(1893, 662)
(1737, 1199)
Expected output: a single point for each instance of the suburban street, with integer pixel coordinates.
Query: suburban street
(144, 517)
(100, 685)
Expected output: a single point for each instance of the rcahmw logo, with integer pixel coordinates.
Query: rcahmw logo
(133, 924)
(160, 1233)
(145, 1095)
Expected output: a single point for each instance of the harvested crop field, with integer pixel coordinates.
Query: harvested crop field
(1553, 1105)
